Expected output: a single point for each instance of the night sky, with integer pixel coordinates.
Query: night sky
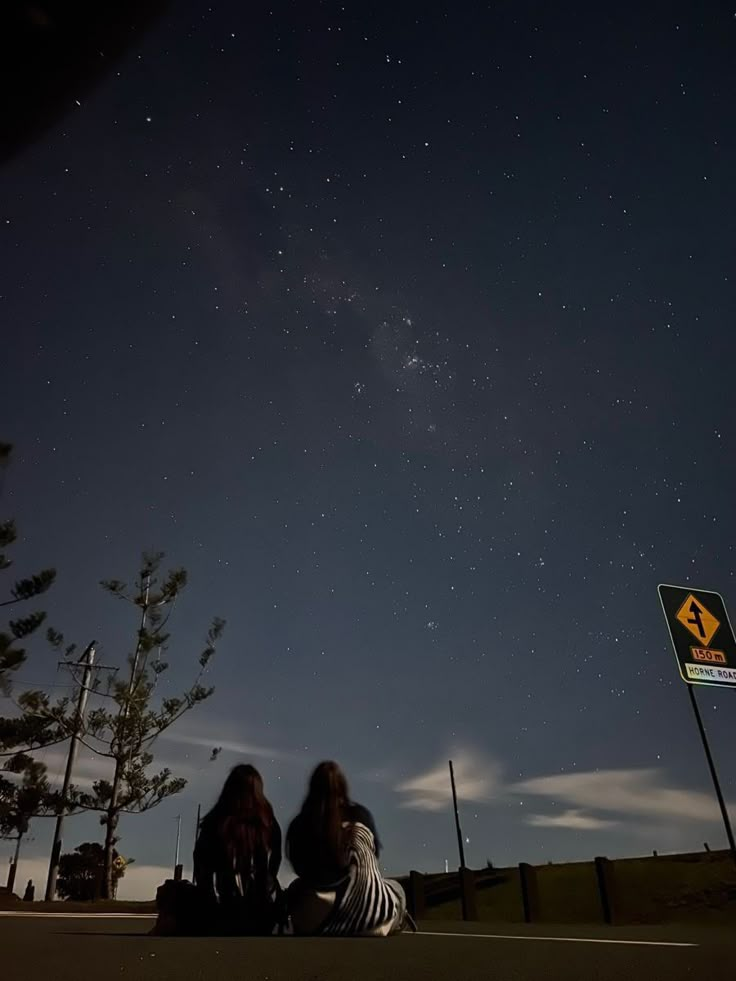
(408, 328)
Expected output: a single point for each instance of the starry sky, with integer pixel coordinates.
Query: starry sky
(408, 329)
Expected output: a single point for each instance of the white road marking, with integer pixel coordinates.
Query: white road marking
(421, 933)
(81, 916)
(567, 940)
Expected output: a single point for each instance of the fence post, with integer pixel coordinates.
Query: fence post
(416, 900)
(529, 892)
(467, 894)
(606, 888)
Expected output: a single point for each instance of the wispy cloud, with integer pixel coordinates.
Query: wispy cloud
(477, 779)
(88, 767)
(236, 747)
(573, 818)
(634, 792)
(588, 801)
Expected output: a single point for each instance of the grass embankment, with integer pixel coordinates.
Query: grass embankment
(690, 888)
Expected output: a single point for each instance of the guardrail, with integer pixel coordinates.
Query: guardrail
(610, 893)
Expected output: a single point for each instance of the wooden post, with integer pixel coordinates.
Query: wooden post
(467, 893)
(416, 899)
(178, 873)
(606, 888)
(529, 892)
(12, 869)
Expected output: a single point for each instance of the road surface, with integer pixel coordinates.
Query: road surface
(39, 947)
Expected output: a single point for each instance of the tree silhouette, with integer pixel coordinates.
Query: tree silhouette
(12, 656)
(81, 871)
(24, 789)
(126, 732)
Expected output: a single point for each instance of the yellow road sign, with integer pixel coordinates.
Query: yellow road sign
(698, 620)
(695, 618)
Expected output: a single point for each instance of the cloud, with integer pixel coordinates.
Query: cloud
(637, 793)
(229, 746)
(573, 818)
(476, 779)
(589, 801)
(88, 767)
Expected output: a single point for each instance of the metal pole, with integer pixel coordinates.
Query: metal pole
(178, 840)
(713, 773)
(89, 659)
(457, 818)
(196, 835)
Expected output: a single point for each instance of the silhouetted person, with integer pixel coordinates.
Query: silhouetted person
(238, 854)
(30, 892)
(333, 847)
(236, 863)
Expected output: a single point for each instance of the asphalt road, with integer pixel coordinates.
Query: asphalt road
(45, 948)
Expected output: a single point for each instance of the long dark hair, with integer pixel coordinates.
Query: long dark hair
(324, 809)
(242, 816)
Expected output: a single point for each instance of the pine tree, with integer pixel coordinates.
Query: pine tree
(11, 655)
(24, 788)
(126, 732)
(80, 871)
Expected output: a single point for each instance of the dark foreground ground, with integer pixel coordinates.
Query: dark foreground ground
(49, 948)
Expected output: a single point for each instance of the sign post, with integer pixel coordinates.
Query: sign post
(705, 649)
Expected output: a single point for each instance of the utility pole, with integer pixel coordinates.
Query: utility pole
(178, 841)
(457, 818)
(88, 659)
(466, 879)
(196, 835)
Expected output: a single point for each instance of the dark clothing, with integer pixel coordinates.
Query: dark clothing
(216, 873)
(232, 895)
(307, 857)
(187, 911)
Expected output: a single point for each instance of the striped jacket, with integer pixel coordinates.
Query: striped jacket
(365, 903)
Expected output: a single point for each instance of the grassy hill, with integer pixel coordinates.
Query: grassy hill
(698, 887)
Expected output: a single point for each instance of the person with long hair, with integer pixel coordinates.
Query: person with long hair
(236, 862)
(333, 847)
(238, 854)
